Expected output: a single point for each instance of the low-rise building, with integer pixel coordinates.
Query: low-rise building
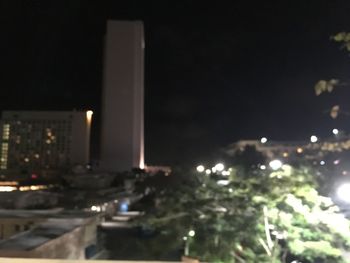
(48, 234)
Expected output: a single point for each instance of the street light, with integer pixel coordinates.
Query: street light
(263, 140)
(200, 168)
(275, 164)
(343, 192)
(335, 131)
(219, 167)
(313, 138)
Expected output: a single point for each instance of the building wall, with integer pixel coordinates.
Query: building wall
(13, 226)
(122, 142)
(35, 140)
(68, 246)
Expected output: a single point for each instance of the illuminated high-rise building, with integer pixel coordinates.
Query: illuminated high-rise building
(36, 140)
(122, 140)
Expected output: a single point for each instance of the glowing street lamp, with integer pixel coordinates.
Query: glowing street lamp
(313, 139)
(275, 164)
(343, 192)
(335, 131)
(219, 167)
(200, 168)
(263, 140)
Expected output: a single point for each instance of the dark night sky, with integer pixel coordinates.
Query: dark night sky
(215, 73)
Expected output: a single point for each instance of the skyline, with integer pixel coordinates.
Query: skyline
(213, 74)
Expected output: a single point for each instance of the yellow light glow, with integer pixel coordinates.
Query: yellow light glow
(8, 183)
(300, 150)
(285, 154)
(89, 114)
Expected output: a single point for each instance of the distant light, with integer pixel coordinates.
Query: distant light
(191, 233)
(336, 162)
(225, 173)
(208, 171)
(322, 162)
(93, 208)
(263, 140)
(230, 190)
(299, 150)
(7, 188)
(275, 164)
(285, 154)
(89, 114)
(223, 182)
(219, 167)
(200, 168)
(313, 138)
(344, 173)
(263, 167)
(343, 192)
(335, 131)
(184, 238)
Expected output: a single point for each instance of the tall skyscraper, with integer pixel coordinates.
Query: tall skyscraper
(36, 140)
(122, 142)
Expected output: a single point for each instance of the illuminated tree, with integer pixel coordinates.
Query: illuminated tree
(250, 216)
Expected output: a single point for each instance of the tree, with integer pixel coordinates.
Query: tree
(251, 216)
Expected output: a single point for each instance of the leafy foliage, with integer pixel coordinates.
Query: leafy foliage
(259, 216)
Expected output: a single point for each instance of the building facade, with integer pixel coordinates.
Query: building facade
(122, 140)
(36, 140)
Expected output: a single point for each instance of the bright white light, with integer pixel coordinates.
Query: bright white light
(200, 168)
(343, 192)
(219, 167)
(230, 190)
(225, 173)
(263, 167)
(275, 164)
(223, 182)
(335, 131)
(313, 138)
(336, 162)
(191, 233)
(263, 140)
(94, 208)
(7, 188)
(184, 238)
(208, 171)
(322, 163)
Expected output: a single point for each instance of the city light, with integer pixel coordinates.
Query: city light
(275, 164)
(223, 182)
(343, 192)
(208, 171)
(263, 167)
(313, 138)
(219, 167)
(263, 140)
(89, 114)
(300, 150)
(191, 233)
(200, 168)
(7, 188)
(335, 131)
(322, 162)
(225, 173)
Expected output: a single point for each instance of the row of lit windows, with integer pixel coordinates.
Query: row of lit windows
(5, 131)
(4, 155)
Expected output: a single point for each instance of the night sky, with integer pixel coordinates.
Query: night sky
(215, 73)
